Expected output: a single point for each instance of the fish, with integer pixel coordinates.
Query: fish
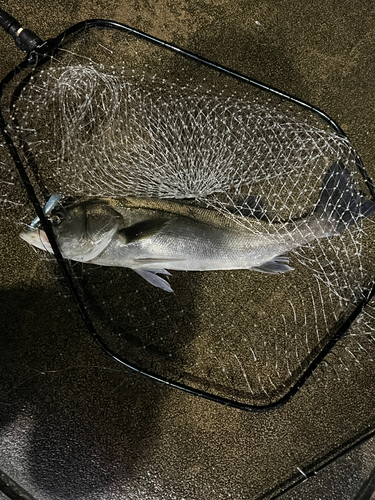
(154, 236)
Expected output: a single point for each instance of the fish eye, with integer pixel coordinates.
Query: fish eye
(55, 220)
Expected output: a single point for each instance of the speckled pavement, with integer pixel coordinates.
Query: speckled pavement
(73, 423)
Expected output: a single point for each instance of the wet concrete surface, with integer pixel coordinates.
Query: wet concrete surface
(73, 423)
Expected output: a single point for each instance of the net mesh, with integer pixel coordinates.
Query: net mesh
(114, 117)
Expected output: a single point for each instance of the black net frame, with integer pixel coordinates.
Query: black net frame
(40, 56)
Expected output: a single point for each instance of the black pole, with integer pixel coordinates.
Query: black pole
(25, 39)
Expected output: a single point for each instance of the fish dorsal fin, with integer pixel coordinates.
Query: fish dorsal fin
(278, 265)
(252, 206)
(143, 229)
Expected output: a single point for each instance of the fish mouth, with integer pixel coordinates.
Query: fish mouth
(37, 238)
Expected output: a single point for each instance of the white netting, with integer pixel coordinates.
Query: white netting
(95, 131)
(141, 136)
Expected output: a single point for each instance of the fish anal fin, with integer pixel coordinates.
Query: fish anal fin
(151, 275)
(278, 265)
(143, 229)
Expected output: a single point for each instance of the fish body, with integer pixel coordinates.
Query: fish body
(152, 236)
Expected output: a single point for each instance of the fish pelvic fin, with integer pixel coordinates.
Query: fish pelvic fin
(151, 275)
(278, 265)
(340, 203)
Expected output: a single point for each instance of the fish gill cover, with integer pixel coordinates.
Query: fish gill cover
(114, 116)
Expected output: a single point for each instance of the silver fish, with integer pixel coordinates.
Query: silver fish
(153, 235)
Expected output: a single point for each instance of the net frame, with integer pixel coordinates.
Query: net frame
(42, 55)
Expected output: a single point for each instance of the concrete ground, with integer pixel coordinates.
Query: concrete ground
(76, 425)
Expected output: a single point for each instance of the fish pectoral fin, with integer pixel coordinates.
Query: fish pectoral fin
(143, 229)
(151, 275)
(278, 265)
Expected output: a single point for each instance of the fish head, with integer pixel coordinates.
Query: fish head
(82, 230)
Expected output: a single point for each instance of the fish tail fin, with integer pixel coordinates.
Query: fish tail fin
(340, 203)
